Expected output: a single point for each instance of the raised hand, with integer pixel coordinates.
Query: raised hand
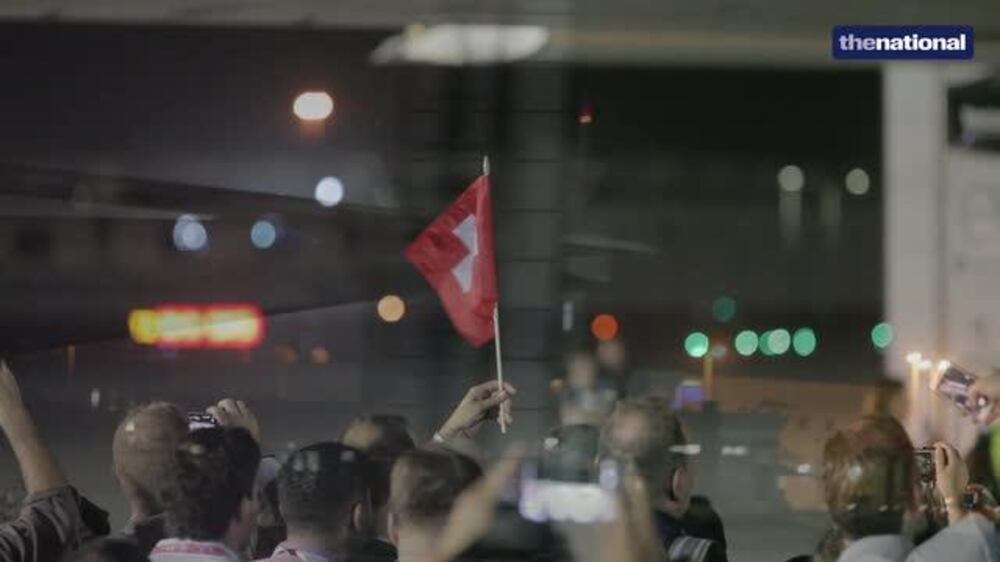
(235, 413)
(483, 401)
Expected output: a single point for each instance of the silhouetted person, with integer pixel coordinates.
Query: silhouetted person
(210, 497)
(425, 485)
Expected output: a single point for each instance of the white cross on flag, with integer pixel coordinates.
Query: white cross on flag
(455, 254)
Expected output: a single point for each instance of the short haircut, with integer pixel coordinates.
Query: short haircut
(319, 484)
(143, 448)
(426, 483)
(214, 470)
(868, 477)
(383, 438)
(646, 432)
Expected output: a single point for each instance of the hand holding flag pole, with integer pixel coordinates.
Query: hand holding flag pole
(504, 406)
(455, 254)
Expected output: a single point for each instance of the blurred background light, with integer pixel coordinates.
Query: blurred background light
(232, 326)
(263, 234)
(313, 106)
(219, 326)
(142, 326)
(764, 343)
(319, 355)
(696, 344)
(586, 114)
(746, 343)
(189, 234)
(778, 341)
(458, 44)
(604, 327)
(391, 308)
(882, 335)
(723, 308)
(804, 341)
(791, 178)
(329, 191)
(857, 182)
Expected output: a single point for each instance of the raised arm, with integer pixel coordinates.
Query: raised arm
(39, 468)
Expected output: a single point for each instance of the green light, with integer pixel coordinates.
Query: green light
(765, 346)
(723, 309)
(696, 344)
(804, 341)
(746, 343)
(778, 341)
(882, 335)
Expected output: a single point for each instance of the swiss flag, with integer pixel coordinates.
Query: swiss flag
(455, 254)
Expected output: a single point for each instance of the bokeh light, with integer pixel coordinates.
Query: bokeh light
(804, 341)
(263, 234)
(329, 191)
(696, 344)
(723, 309)
(791, 178)
(319, 355)
(746, 343)
(189, 234)
(857, 182)
(391, 308)
(882, 335)
(313, 106)
(778, 341)
(604, 327)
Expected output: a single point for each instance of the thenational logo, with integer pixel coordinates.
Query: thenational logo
(903, 42)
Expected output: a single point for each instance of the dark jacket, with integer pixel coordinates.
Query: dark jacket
(682, 547)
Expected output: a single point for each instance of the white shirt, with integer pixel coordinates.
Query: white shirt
(183, 550)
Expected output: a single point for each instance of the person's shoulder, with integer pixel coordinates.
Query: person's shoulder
(692, 549)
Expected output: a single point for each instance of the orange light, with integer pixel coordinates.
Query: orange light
(391, 308)
(233, 326)
(142, 326)
(604, 327)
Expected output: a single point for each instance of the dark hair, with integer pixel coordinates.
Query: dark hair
(383, 438)
(426, 482)
(213, 472)
(319, 484)
(868, 477)
(112, 549)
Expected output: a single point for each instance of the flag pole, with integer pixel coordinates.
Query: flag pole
(496, 335)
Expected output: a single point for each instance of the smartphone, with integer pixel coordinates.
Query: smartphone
(925, 464)
(954, 383)
(201, 420)
(543, 499)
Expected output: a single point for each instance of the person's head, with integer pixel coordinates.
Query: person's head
(383, 438)
(112, 549)
(868, 477)
(211, 489)
(323, 494)
(646, 432)
(424, 485)
(142, 453)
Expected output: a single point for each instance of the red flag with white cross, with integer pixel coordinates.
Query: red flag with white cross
(455, 254)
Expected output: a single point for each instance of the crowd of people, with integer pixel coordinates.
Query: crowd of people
(208, 494)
